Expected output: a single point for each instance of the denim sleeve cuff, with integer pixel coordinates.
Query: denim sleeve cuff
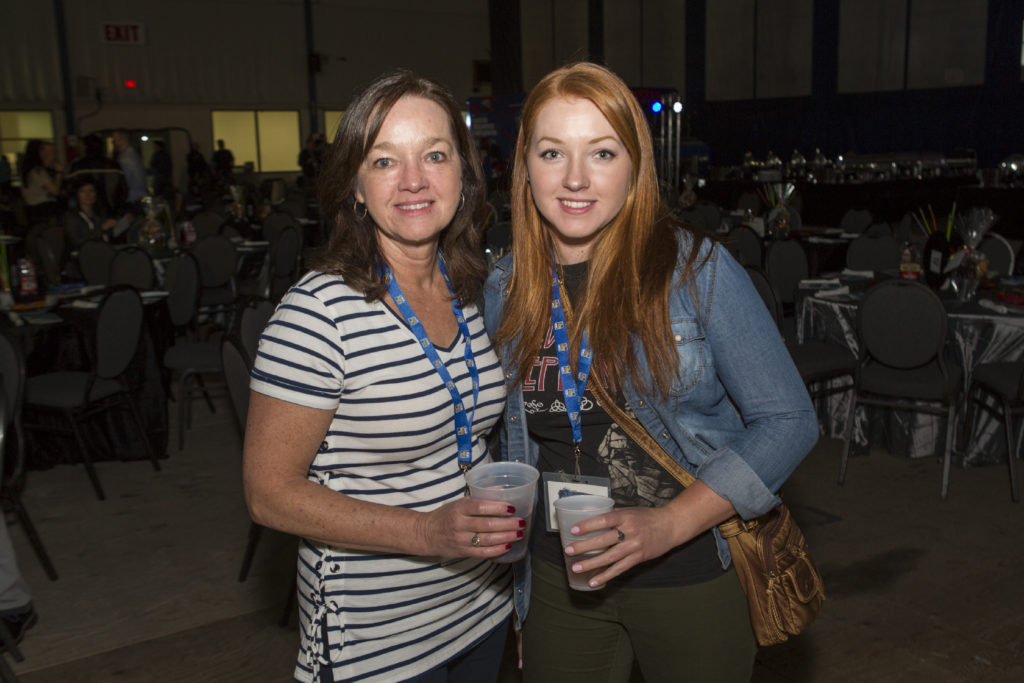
(731, 477)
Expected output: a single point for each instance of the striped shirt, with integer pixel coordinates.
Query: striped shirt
(386, 617)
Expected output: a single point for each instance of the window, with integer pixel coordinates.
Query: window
(17, 128)
(269, 140)
(332, 117)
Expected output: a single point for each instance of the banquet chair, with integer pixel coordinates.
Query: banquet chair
(45, 244)
(873, 252)
(218, 261)
(786, 264)
(275, 222)
(999, 254)
(12, 390)
(79, 395)
(750, 201)
(94, 258)
(901, 329)
(252, 323)
(188, 358)
(855, 221)
(819, 363)
(283, 262)
(746, 246)
(133, 266)
(1003, 382)
(207, 223)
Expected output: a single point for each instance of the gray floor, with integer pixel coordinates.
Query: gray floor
(918, 589)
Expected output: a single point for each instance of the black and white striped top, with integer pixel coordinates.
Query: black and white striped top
(392, 441)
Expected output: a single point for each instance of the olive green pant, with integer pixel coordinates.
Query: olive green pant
(699, 633)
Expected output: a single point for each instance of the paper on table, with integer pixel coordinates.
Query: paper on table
(857, 273)
(820, 282)
(993, 306)
(837, 291)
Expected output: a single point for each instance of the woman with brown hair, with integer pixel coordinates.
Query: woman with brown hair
(604, 285)
(373, 391)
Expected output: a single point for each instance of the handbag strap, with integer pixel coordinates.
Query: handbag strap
(636, 431)
(730, 527)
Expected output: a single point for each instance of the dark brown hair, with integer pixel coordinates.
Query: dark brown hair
(352, 250)
(626, 298)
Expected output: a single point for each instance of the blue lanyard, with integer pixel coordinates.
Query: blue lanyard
(463, 419)
(572, 387)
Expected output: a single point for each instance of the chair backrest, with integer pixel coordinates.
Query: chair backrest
(207, 223)
(902, 324)
(284, 262)
(254, 321)
(118, 330)
(711, 214)
(181, 280)
(746, 246)
(999, 254)
(237, 369)
(217, 258)
(785, 263)
(12, 384)
(764, 288)
(855, 220)
(275, 222)
(94, 258)
(132, 266)
(873, 252)
(750, 201)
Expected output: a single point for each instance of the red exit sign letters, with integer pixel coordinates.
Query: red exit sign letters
(124, 33)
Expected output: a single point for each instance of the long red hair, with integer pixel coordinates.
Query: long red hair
(625, 299)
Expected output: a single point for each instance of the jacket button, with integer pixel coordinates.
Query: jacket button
(513, 418)
(664, 435)
(679, 337)
(641, 403)
(520, 591)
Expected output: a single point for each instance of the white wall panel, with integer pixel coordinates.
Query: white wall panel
(784, 32)
(947, 43)
(729, 68)
(872, 45)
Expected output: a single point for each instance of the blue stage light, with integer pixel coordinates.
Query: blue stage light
(656, 107)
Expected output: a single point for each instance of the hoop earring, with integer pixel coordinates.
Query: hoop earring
(355, 209)
(462, 201)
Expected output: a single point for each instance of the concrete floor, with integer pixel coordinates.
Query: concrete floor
(918, 589)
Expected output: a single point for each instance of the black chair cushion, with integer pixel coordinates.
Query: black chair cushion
(66, 390)
(1001, 379)
(817, 360)
(923, 383)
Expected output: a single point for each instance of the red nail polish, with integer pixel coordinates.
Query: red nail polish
(519, 534)
(522, 524)
(511, 508)
(508, 546)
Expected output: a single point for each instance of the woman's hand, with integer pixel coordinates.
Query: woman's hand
(450, 530)
(638, 534)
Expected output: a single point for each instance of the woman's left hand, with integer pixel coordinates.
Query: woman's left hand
(637, 534)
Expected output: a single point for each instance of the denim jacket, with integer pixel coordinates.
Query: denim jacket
(737, 416)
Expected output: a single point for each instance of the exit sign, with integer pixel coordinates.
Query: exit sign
(124, 33)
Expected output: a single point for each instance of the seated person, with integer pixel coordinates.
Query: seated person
(86, 220)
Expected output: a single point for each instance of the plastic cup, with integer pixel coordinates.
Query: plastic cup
(514, 483)
(570, 511)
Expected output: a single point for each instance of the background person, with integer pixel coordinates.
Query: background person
(363, 403)
(86, 220)
(677, 334)
(41, 176)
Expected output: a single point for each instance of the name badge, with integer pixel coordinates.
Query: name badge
(560, 484)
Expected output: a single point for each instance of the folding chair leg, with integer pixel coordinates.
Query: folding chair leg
(206, 394)
(7, 674)
(182, 400)
(255, 531)
(33, 536)
(1011, 453)
(8, 640)
(289, 605)
(848, 439)
(150, 453)
(948, 454)
(86, 459)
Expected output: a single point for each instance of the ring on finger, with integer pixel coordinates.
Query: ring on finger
(622, 536)
(475, 541)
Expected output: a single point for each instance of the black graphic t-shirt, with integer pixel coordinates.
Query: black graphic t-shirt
(607, 451)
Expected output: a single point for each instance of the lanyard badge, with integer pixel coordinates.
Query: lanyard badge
(463, 418)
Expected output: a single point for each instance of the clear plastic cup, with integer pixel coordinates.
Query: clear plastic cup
(514, 483)
(570, 511)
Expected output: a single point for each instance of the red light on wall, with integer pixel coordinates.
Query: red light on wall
(130, 83)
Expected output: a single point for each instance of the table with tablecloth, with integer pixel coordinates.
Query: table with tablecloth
(974, 335)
